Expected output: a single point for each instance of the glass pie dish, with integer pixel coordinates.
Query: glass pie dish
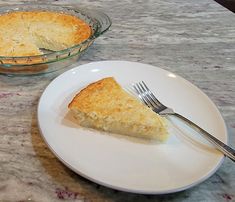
(51, 61)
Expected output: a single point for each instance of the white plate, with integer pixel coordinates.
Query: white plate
(124, 163)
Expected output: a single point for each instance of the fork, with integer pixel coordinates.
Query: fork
(149, 99)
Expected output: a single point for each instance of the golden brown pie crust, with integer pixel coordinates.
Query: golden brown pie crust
(24, 33)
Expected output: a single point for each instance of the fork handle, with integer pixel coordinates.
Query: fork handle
(225, 149)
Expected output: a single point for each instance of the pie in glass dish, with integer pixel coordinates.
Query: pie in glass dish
(25, 33)
(42, 38)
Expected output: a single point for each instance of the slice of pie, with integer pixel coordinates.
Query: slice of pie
(104, 105)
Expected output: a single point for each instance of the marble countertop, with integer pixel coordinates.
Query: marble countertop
(194, 39)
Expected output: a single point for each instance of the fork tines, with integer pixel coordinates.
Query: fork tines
(147, 96)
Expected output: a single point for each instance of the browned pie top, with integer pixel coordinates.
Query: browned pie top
(23, 33)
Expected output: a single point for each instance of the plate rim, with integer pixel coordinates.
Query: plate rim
(149, 192)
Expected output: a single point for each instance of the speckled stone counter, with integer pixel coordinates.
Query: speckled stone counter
(194, 39)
